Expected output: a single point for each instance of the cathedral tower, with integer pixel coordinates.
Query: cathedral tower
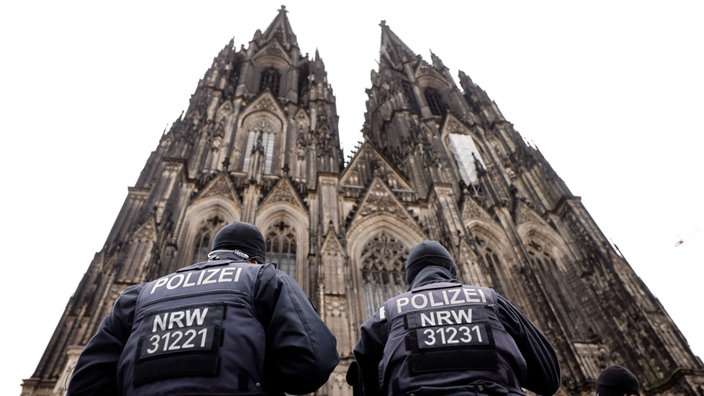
(259, 142)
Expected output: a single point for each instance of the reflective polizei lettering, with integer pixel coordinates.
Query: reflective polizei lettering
(205, 277)
(439, 298)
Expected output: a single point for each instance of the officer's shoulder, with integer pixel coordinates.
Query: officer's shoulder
(268, 269)
(272, 270)
(134, 288)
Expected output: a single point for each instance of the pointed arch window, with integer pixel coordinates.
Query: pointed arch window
(383, 260)
(260, 139)
(434, 100)
(547, 269)
(270, 79)
(467, 156)
(281, 247)
(410, 96)
(202, 245)
(203, 239)
(492, 263)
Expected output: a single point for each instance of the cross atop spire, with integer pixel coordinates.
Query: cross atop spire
(280, 29)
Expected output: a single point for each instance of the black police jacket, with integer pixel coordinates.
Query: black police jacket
(446, 338)
(218, 327)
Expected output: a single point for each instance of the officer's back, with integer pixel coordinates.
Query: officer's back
(445, 338)
(230, 325)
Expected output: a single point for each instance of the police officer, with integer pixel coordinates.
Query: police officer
(231, 325)
(445, 338)
(617, 381)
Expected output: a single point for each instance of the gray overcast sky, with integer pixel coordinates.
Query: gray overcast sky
(609, 91)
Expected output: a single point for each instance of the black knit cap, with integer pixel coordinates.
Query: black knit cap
(243, 239)
(428, 253)
(617, 380)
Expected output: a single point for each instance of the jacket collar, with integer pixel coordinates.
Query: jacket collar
(433, 274)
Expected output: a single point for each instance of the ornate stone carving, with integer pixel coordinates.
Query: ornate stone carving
(264, 103)
(379, 200)
(335, 306)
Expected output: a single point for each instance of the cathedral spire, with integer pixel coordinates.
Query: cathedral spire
(279, 29)
(393, 50)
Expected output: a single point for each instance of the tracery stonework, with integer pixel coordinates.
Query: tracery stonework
(264, 104)
(378, 200)
(386, 252)
(282, 193)
(216, 189)
(335, 306)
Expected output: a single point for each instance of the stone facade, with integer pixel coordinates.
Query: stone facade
(259, 142)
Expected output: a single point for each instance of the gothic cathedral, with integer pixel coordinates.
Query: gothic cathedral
(259, 142)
